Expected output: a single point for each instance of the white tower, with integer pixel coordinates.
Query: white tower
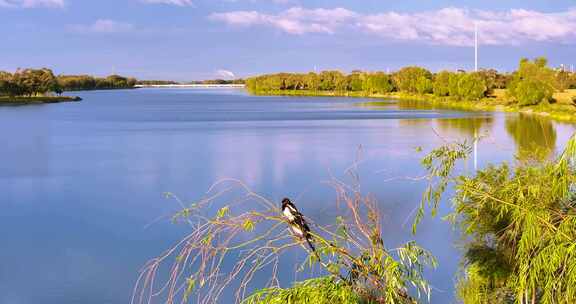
(476, 70)
(475, 47)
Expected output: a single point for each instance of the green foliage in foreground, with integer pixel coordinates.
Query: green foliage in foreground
(522, 226)
(356, 265)
(324, 290)
(519, 225)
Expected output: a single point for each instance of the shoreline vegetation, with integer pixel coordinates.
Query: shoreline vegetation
(561, 111)
(37, 99)
(532, 89)
(37, 86)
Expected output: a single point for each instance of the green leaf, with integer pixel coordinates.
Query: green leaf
(248, 225)
(222, 212)
(190, 285)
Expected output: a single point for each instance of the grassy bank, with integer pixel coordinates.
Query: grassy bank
(563, 109)
(5, 100)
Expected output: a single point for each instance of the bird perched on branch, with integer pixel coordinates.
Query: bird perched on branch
(297, 222)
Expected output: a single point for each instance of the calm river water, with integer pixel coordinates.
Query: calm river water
(81, 184)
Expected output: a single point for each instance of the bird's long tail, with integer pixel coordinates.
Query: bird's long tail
(309, 241)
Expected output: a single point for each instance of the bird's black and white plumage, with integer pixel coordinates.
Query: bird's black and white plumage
(297, 222)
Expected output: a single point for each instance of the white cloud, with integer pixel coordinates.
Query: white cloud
(191, 2)
(295, 20)
(447, 26)
(103, 26)
(225, 74)
(455, 26)
(273, 1)
(171, 2)
(32, 3)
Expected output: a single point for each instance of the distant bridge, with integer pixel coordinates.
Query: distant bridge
(215, 86)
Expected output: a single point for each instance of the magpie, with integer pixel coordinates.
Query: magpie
(300, 228)
(297, 222)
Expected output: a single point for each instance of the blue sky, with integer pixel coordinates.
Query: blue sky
(200, 39)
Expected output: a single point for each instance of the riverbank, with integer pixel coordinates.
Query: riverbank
(99, 89)
(5, 100)
(563, 109)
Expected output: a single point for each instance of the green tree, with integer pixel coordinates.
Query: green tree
(454, 84)
(5, 83)
(34, 81)
(312, 81)
(332, 81)
(355, 81)
(471, 86)
(441, 85)
(377, 83)
(413, 79)
(533, 82)
(532, 92)
(563, 80)
(86, 82)
(423, 85)
(494, 80)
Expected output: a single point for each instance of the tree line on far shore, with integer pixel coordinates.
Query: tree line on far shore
(156, 82)
(208, 81)
(219, 81)
(532, 83)
(40, 82)
(87, 82)
(43, 82)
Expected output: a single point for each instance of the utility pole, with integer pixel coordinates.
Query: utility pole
(475, 47)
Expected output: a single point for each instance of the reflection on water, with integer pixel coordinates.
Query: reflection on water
(535, 136)
(414, 123)
(468, 127)
(80, 183)
(414, 104)
(402, 104)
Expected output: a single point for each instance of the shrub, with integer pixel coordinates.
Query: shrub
(323, 290)
(519, 225)
(355, 82)
(531, 92)
(359, 267)
(413, 80)
(532, 83)
(377, 83)
(471, 87)
(441, 85)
